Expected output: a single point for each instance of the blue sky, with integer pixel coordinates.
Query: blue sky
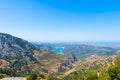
(61, 20)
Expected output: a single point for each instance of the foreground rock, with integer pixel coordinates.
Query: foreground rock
(13, 78)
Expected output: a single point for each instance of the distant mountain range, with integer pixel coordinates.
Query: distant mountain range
(80, 50)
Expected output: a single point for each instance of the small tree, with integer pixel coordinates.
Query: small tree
(32, 77)
(42, 76)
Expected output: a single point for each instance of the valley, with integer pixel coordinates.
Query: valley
(53, 61)
(79, 49)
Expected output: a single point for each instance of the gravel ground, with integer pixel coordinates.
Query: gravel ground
(13, 78)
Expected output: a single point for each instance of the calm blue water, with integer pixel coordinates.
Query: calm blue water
(58, 50)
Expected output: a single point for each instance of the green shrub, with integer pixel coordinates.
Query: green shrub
(32, 77)
(42, 76)
(91, 77)
(1, 76)
(114, 70)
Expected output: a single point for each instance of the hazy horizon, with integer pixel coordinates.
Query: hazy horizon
(61, 20)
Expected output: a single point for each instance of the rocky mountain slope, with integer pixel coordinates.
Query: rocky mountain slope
(21, 56)
(16, 52)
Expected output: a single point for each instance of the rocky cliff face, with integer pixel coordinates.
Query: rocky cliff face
(68, 63)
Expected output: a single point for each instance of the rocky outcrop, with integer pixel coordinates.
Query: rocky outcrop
(14, 78)
(67, 64)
